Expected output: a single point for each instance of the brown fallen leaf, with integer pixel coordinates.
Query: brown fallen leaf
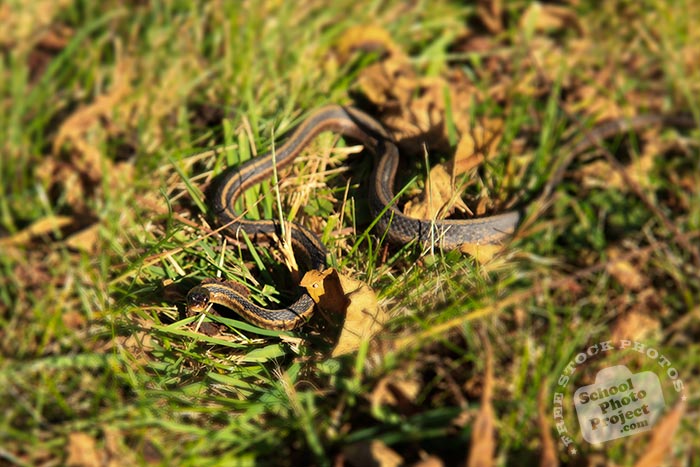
(365, 38)
(44, 226)
(85, 240)
(466, 157)
(53, 172)
(340, 295)
(138, 342)
(388, 84)
(599, 174)
(490, 12)
(116, 450)
(429, 461)
(76, 129)
(626, 274)
(50, 43)
(82, 451)
(479, 142)
(539, 17)
(623, 271)
(439, 199)
(482, 253)
(483, 444)
(56, 38)
(78, 169)
(554, 60)
(23, 21)
(442, 196)
(412, 108)
(418, 110)
(396, 390)
(321, 286)
(661, 440)
(589, 100)
(371, 453)
(641, 168)
(635, 325)
(73, 320)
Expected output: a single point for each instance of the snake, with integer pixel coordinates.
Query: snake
(397, 228)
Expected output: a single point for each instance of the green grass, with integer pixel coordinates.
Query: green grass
(94, 339)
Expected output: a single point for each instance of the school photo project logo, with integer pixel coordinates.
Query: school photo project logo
(619, 403)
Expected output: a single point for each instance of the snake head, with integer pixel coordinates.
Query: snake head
(197, 300)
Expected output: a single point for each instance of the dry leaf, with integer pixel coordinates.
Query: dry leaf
(43, 226)
(599, 174)
(411, 108)
(490, 12)
(57, 38)
(624, 272)
(387, 82)
(77, 128)
(466, 156)
(116, 450)
(315, 284)
(53, 172)
(482, 253)
(635, 325)
(22, 20)
(439, 199)
(78, 168)
(343, 296)
(137, 342)
(86, 240)
(82, 451)
(640, 170)
(544, 18)
(478, 142)
(482, 444)
(661, 440)
(50, 43)
(589, 100)
(396, 390)
(373, 453)
(429, 461)
(364, 317)
(594, 100)
(390, 80)
(365, 38)
(554, 60)
(442, 196)
(73, 320)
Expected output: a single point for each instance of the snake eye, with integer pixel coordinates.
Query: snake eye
(197, 300)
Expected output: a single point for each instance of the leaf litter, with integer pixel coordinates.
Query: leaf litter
(421, 113)
(416, 111)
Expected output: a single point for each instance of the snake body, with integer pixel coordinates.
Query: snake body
(391, 222)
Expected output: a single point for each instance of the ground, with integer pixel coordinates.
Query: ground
(116, 117)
